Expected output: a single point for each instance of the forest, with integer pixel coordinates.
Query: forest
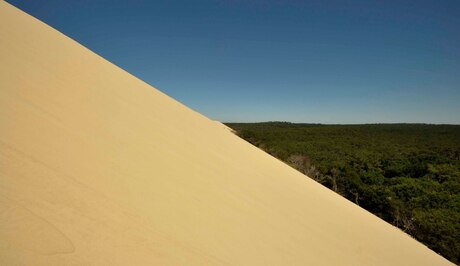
(407, 174)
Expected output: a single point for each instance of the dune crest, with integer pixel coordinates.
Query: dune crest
(99, 168)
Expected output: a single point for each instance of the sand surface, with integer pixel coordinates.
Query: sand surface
(99, 168)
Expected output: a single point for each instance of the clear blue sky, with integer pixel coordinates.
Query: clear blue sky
(320, 61)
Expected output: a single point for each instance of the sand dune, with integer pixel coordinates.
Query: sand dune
(99, 168)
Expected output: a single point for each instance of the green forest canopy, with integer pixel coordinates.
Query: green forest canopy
(407, 174)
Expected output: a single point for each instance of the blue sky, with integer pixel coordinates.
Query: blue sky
(301, 61)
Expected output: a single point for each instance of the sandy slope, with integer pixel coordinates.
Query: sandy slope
(99, 168)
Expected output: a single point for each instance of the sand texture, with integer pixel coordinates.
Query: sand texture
(99, 168)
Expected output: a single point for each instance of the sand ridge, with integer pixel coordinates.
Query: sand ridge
(99, 168)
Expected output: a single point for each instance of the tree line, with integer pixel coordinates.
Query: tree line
(407, 174)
